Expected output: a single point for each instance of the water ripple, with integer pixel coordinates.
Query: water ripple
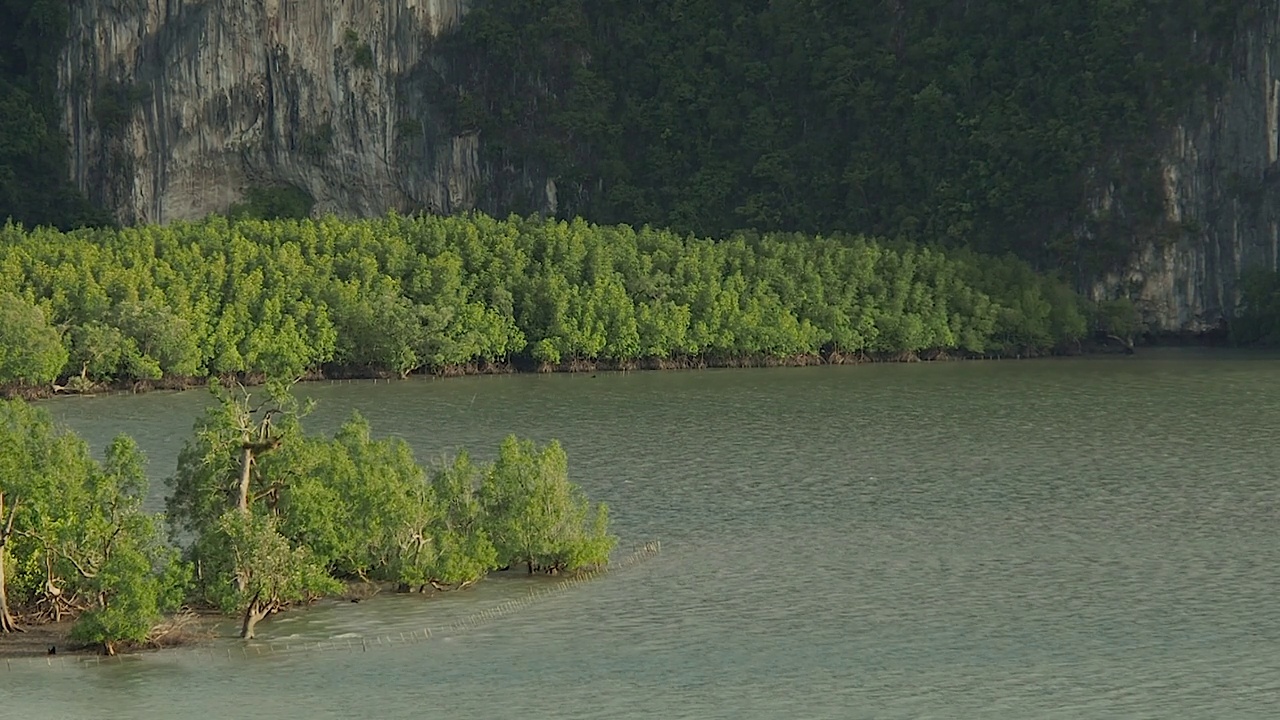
(1059, 539)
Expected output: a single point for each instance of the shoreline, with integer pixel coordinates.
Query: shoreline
(187, 628)
(194, 628)
(525, 366)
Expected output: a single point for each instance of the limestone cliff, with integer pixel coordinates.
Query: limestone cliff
(175, 107)
(1221, 191)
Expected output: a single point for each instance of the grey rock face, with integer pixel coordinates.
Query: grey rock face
(174, 108)
(1221, 186)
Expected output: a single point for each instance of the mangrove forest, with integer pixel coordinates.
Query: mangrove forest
(395, 295)
(264, 516)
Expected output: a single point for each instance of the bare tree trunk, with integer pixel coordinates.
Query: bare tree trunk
(7, 625)
(256, 611)
(51, 590)
(246, 461)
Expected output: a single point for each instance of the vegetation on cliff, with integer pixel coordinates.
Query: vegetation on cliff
(398, 294)
(979, 125)
(970, 124)
(1258, 321)
(960, 125)
(34, 184)
(267, 517)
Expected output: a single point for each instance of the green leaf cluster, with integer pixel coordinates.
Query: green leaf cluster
(536, 516)
(399, 294)
(31, 350)
(77, 532)
(273, 203)
(318, 511)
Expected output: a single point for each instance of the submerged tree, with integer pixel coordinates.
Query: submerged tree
(218, 494)
(537, 517)
(350, 497)
(276, 517)
(368, 510)
(41, 469)
(216, 468)
(450, 548)
(79, 533)
(269, 573)
(118, 552)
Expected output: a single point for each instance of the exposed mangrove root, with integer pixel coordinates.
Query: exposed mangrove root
(187, 629)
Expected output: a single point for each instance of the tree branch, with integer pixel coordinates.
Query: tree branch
(13, 514)
(83, 573)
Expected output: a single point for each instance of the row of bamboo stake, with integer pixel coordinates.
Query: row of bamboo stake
(474, 620)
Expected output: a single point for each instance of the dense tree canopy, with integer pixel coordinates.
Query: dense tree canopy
(963, 125)
(273, 517)
(973, 124)
(78, 536)
(398, 294)
(31, 350)
(267, 517)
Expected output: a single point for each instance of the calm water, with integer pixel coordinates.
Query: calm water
(1073, 538)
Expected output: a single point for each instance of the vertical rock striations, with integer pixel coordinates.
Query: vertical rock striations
(175, 107)
(1220, 190)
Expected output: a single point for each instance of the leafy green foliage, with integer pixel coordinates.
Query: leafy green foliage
(458, 551)
(221, 465)
(31, 351)
(285, 202)
(115, 103)
(43, 473)
(261, 571)
(369, 511)
(537, 517)
(78, 532)
(165, 343)
(360, 52)
(272, 517)
(397, 294)
(103, 352)
(1118, 318)
(132, 597)
(224, 496)
(120, 555)
(349, 498)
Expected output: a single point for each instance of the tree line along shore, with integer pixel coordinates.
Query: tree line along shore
(172, 304)
(261, 516)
